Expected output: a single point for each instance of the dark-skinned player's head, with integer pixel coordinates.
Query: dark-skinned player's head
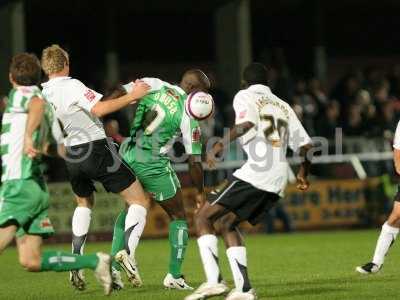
(195, 80)
(255, 73)
(25, 70)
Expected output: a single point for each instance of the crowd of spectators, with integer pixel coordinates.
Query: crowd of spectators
(363, 103)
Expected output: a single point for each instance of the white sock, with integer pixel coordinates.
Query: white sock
(387, 237)
(208, 246)
(134, 225)
(80, 228)
(238, 262)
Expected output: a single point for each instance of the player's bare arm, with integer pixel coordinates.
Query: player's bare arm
(197, 175)
(396, 158)
(35, 117)
(103, 108)
(236, 132)
(302, 181)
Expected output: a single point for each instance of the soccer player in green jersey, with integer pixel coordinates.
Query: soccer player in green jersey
(24, 200)
(160, 118)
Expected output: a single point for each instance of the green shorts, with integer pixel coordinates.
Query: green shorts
(158, 179)
(26, 202)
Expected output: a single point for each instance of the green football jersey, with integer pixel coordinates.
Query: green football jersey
(160, 118)
(15, 164)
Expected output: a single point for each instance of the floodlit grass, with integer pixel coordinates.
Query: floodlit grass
(294, 266)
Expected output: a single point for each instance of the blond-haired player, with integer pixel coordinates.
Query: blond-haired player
(89, 157)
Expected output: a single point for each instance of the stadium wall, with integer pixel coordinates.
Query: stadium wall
(328, 204)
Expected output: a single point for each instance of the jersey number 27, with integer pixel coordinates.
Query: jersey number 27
(276, 130)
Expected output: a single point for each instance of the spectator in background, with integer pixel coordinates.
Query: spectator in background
(387, 122)
(380, 93)
(316, 91)
(373, 77)
(304, 100)
(346, 90)
(223, 108)
(368, 109)
(329, 121)
(355, 126)
(111, 128)
(394, 79)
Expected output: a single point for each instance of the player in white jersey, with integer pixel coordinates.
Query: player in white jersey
(266, 125)
(89, 156)
(391, 227)
(24, 199)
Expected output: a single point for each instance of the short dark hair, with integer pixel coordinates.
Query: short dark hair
(25, 69)
(255, 73)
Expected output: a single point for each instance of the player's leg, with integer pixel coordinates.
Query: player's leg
(389, 232)
(84, 196)
(208, 247)
(118, 244)
(81, 222)
(7, 234)
(117, 177)
(135, 220)
(33, 260)
(178, 239)
(237, 256)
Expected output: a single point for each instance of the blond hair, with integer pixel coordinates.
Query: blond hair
(54, 59)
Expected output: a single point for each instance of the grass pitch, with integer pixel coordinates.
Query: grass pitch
(294, 266)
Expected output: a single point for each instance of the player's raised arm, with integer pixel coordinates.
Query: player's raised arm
(396, 149)
(103, 108)
(302, 181)
(300, 141)
(35, 117)
(245, 119)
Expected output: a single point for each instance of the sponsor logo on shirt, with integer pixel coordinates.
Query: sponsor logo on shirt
(242, 114)
(196, 135)
(173, 94)
(90, 95)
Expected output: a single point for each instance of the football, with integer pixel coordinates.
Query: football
(199, 105)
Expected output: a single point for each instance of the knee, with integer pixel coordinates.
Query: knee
(202, 223)
(200, 218)
(394, 218)
(227, 224)
(30, 264)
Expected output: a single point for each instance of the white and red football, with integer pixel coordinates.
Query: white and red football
(199, 105)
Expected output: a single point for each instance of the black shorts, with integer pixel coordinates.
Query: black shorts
(244, 200)
(97, 161)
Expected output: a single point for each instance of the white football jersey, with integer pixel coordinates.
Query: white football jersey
(396, 140)
(72, 102)
(276, 126)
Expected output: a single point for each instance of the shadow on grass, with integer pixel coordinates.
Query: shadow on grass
(317, 286)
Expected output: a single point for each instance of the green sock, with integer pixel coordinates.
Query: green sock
(62, 261)
(178, 240)
(118, 242)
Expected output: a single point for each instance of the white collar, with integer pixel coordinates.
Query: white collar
(259, 88)
(55, 80)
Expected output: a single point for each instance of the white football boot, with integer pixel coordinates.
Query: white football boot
(179, 284)
(117, 283)
(103, 272)
(369, 268)
(130, 267)
(208, 290)
(236, 295)
(77, 279)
